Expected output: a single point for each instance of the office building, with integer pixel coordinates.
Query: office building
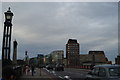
(72, 52)
(57, 56)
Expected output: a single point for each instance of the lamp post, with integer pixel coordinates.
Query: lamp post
(7, 35)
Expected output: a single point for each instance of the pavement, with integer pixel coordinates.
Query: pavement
(40, 74)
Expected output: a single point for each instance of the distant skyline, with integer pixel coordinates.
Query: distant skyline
(44, 27)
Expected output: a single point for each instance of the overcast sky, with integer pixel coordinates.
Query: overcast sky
(44, 27)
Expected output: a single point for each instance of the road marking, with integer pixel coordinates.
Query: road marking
(53, 72)
(67, 77)
(60, 77)
(47, 70)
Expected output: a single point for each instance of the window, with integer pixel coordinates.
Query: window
(114, 71)
(95, 71)
(102, 72)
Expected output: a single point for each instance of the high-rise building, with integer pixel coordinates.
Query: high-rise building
(72, 52)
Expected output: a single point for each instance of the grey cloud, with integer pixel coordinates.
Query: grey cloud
(43, 27)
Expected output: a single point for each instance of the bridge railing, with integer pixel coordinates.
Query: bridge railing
(80, 67)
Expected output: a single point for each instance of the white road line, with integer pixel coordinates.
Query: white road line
(60, 77)
(53, 72)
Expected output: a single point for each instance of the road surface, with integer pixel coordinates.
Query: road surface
(70, 74)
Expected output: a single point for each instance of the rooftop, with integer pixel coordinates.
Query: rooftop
(107, 65)
(72, 41)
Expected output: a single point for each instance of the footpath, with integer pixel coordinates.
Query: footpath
(40, 74)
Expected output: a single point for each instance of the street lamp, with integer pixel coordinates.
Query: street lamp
(7, 35)
(8, 16)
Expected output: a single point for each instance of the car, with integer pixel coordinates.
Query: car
(59, 67)
(50, 66)
(41, 66)
(104, 72)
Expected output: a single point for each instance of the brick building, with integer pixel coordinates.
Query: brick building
(117, 60)
(72, 52)
(93, 58)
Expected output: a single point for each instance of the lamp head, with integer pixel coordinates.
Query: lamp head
(8, 15)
